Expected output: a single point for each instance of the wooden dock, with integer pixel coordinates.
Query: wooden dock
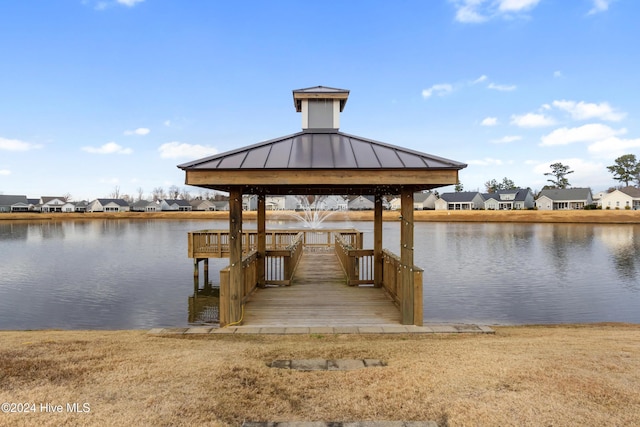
(319, 296)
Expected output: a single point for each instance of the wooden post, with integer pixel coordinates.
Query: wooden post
(377, 242)
(406, 256)
(196, 277)
(235, 255)
(262, 239)
(207, 284)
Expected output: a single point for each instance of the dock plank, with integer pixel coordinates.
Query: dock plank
(319, 296)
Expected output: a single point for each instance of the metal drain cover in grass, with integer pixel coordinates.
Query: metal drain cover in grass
(326, 364)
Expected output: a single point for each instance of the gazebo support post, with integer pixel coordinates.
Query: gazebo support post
(377, 242)
(406, 255)
(235, 254)
(262, 239)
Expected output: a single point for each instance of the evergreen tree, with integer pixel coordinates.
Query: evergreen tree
(559, 172)
(625, 169)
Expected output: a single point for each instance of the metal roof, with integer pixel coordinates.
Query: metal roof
(322, 150)
(566, 194)
(319, 92)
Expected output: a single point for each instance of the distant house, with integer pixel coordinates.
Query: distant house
(202, 205)
(331, 203)
(145, 206)
(221, 205)
(564, 199)
(424, 201)
(518, 198)
(460, 201)
(81, 206)
(174, 205)
(52, 204)
(249, 202)
(362, 203)
(108, 205)
(625, 198)
(14, 203)
(281, 203)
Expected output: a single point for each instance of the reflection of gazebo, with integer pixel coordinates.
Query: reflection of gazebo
(321, 160)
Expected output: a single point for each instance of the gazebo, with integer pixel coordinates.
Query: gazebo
(321, 160)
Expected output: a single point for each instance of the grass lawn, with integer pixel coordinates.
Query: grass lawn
(531, 375)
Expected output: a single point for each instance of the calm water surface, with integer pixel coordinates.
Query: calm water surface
(128, 274)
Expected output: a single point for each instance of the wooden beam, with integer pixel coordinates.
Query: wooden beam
(235, 255)
(326, 177)
(377, 241)
(406, 257)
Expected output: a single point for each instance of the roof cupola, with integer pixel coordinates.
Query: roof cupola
(320, 107)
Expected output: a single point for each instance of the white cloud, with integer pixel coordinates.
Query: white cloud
(600, 6)
(5, 172)
(585, 111)
(174, 150)
(108, 148)
(586, 133)
(507, 139)
(439, 90)
(614, 147)
(478, 11)
(531, 120)
(557, 74)
(502, 88)
(129, 3)
(480, 79)
(489, 121)
(139, 131)
(487, 161)
(17, 145)
(167, 123)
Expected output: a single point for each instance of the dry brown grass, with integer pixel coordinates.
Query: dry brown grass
(562, 375)
(528, 216)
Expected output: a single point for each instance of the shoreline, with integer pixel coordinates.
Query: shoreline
(516, 216)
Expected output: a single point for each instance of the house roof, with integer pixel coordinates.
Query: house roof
(47, 199)
(520, 194)
(179, 202)
(8, 200)
(566, 194)
(118, 202)
(421, 197)
(460, 196)
(631, 192)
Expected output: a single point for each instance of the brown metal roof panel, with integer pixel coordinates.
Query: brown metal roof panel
(256, 158)
(343, 156)
(322, 152)
(231, 162)
(279, 155)
(301, 152)
(388, 157)
(365, 156)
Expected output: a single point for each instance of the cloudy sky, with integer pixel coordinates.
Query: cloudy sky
(115, 93)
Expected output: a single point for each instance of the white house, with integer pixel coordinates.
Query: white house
(517, 198)
(52, 204)
(174, 205)
(625, 198)
(108, 205)
(145, 206)
(424, 201)
(361, 203)
(281, 203)
(202, 205)
(462, 200)
(564, 199)
(330, 203)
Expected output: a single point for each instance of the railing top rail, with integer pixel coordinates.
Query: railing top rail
(284, 231)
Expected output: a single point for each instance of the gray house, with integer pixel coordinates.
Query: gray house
(174, 205)
(14, 203)
(564, 199)
(460, 201)
(361, 203)
(145, 206)
(518, 198)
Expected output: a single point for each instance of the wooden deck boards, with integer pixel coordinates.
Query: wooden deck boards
(319, 296)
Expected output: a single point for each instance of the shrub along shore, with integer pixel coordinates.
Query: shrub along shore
(596, 216)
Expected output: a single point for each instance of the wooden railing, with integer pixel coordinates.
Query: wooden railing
(215, 243)
(249, 284)
(356, 263)
(392, 272)
(280, 264)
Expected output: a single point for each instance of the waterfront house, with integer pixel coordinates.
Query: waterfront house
(249, 202)
(625, 198)
(424, 201)
(174, 205)
(282, 203)
(517, 198)
(52, 204)
(361, 203)
(14, 203)
(564, 199)
(202, 205)
(460, 201)
(330, 203)
(108, 205)
(80, 206)
(145, 206)
(220, 205)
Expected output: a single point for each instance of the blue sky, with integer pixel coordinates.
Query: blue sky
(103, 94)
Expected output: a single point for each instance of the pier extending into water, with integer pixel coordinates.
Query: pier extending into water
(319, 277)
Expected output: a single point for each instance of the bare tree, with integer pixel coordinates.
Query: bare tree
(67, 197)
(174, 192)
(140, 193)
(158, 194)
(185, 195)
(115, 194)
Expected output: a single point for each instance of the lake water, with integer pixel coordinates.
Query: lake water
(130, 274)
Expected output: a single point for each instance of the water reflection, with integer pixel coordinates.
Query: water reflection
(204, 307)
